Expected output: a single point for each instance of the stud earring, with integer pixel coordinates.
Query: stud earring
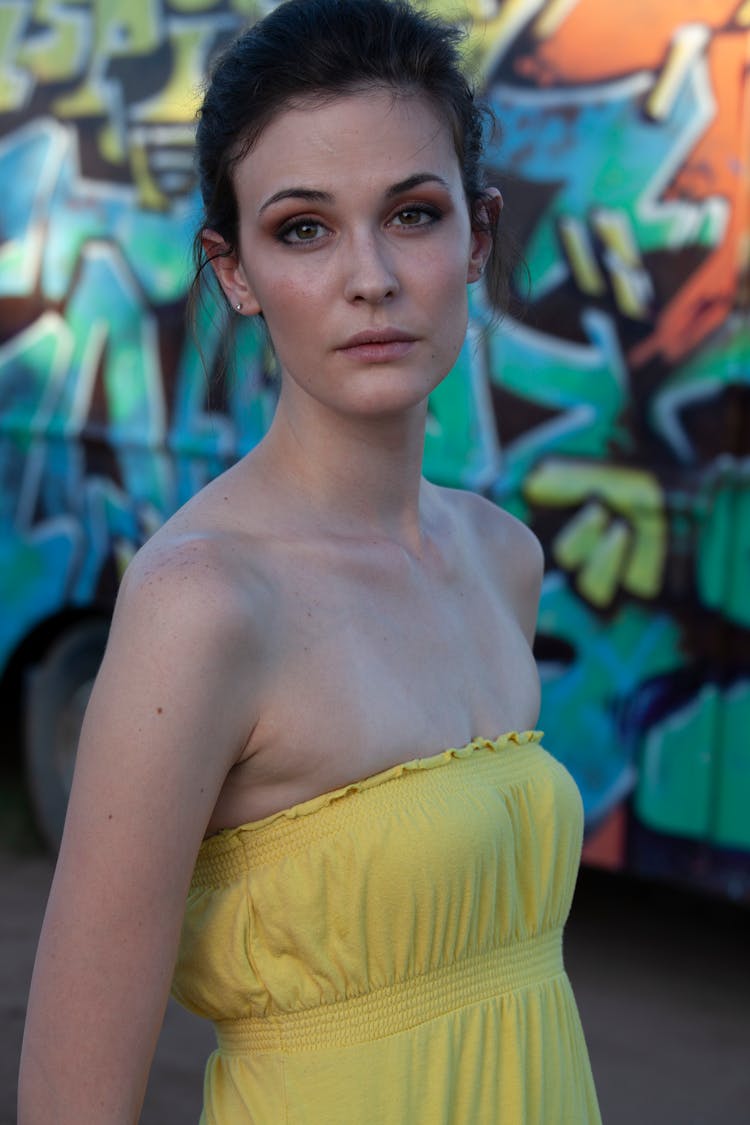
(238, 306)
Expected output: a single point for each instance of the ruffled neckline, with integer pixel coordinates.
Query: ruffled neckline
(433, 761)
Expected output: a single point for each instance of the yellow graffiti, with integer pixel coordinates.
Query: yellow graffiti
(111, 143)
(742, 15)
(126, 27)
(688, 44)
(617, 538)
(149, 195)
(503, 28)
(150, 520)
(178, 99)
(95, 47)
(492, 25)
(553, 15)
(117, 29)
(87, 100)
(15, 83)
(76, 42)
(193, 5)
(250, 10)
(631, 285)
(58, 50)
(581, 258)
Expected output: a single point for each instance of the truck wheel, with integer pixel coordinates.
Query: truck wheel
(57, 691)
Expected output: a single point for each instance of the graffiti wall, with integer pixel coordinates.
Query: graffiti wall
(609, 408)
(622, 408)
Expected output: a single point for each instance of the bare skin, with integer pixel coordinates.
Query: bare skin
(317, 614)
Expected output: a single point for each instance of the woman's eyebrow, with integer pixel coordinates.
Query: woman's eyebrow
(309, 194)
(415, 181)
(312, 195)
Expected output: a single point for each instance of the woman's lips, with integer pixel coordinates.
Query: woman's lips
(378, 346)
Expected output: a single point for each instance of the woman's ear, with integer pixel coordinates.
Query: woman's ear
(229, 273)
(485, 217)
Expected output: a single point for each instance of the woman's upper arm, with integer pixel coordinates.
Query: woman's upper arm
(170, 713)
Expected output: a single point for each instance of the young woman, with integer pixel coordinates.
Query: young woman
(300, 722)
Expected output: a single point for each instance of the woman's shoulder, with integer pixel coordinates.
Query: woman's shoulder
(503, 551)
(504, 537)
(195, 577)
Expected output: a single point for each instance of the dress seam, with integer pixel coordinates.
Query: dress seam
(397, 1006)
(444, 966)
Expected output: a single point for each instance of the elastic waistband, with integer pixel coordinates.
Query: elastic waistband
(397, 1007)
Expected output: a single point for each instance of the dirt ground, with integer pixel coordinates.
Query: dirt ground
(662, 980)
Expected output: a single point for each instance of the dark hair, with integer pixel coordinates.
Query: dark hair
(326, 48)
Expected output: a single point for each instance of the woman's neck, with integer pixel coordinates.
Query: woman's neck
(353, 475)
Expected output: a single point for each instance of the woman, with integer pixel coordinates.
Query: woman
(373, 920)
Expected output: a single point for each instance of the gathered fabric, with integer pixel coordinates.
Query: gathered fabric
(390, 953)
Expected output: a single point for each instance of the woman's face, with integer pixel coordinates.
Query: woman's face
(356, 245)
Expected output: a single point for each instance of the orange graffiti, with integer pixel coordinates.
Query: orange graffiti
(666, 38)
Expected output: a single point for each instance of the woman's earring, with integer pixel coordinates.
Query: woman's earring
(238, 306)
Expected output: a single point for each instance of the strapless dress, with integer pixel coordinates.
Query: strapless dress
(390, 953)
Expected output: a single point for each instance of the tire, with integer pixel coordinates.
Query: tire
(57, 692)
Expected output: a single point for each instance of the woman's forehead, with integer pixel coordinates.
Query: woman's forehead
(378, 133)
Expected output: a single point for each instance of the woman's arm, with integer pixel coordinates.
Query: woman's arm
(170, 713)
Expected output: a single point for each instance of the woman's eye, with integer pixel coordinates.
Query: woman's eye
(304, 230)
(414, 217)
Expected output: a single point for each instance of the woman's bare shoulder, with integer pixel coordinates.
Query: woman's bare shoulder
(194, 616)
(506, 551)
(511, 540)
(202, 574)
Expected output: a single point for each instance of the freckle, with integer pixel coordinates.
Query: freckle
(109, 817)
(159, 710)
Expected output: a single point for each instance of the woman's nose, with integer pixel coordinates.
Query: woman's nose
(370, 274)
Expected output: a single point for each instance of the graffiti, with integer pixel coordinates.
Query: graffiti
(625, 549)
(127, 75)
(605, 663)
(699, 43)
(612, 415)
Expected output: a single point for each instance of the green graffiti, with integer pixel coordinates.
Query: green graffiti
(694, 777)
(625, 550)
(584, 385)
(461, 445)
(586, 697)
(723, 547)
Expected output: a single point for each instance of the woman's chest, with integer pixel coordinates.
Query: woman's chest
(363, 683)
(365, 673)
(409, 639)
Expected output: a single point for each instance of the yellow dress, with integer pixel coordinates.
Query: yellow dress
(391, 953)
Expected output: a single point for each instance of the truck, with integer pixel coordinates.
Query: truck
(607, 406)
